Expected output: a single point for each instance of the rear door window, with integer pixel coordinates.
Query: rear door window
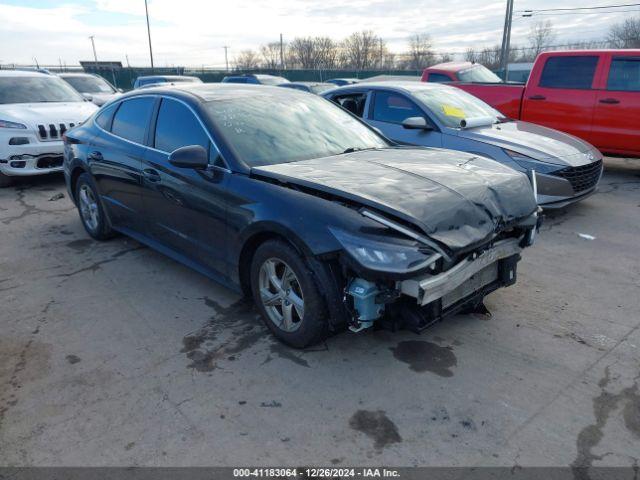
(624, 74)
(394, 108)
(575, 72)
(131, 120)
(177, 126)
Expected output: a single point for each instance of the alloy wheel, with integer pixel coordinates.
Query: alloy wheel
(281, 294)
(89, 208)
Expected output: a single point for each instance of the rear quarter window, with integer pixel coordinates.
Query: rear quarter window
(438, 78)
(103, 120)
(573, 72)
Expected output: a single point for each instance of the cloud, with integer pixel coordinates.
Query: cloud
(192, 32)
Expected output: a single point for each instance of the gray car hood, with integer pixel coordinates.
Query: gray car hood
(455, 198)
(535, 141)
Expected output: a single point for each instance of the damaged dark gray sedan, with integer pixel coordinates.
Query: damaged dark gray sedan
(301, 205)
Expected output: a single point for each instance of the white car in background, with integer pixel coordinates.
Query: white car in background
(36, 109)
(92, 87)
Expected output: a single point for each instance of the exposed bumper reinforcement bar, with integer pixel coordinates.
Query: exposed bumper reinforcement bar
(428, 288)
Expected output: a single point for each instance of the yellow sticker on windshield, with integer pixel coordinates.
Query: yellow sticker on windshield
(451, 111)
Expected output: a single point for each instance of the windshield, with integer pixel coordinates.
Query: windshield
(89, 84)
(267, 129)
(36, 90)
(450, 105)
(478, 74)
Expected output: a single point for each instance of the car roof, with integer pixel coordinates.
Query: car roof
(404, 87)
(452, 66)
(310, 84)
(77, 74)
(167, 77)
(206, 92)
(22, 73)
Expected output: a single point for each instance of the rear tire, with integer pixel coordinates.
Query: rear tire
(5, 180)
(92, 215)
(284, 289)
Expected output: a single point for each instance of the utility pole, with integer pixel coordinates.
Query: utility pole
(146, 10)
(281, 54)
(126, 55)
(226, 58)
(95, 56)
(506, 39)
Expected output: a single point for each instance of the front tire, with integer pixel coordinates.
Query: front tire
(5, 180)
(287, 296)
(92, 214)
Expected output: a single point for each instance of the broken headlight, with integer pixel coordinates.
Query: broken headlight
(386, 256)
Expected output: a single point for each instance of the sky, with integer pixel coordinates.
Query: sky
(193, 32)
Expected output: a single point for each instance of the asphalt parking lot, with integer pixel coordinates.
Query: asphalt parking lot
(112, 354)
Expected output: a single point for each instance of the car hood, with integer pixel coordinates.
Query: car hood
(455, 198)
(535, 141)
(34, 114)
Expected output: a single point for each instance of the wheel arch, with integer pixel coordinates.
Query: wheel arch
(256, 237)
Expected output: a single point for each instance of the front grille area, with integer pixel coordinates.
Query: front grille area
(583, 177)
(51, 161)
(53, 131)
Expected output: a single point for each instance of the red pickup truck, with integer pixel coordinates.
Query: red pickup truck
(592, 94)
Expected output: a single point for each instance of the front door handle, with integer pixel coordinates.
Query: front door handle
(151, 175)
(95, 156)
(537, 97)
(610, 101)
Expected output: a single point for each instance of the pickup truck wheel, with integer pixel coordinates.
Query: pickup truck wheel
(5, 180)
(91, 212)
(284, 289)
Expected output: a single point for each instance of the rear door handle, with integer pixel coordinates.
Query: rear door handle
(610, 101)
(151, 175)
(537, 97)
(96, 156)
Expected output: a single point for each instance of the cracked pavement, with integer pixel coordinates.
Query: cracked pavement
(112, 354)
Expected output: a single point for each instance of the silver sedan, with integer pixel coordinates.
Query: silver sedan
(566, 169)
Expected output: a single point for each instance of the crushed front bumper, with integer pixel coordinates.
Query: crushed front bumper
(35, 158)
(494, 266)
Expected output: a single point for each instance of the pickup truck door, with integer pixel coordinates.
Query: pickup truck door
(616, 124)
(561, 95)
(389, 109)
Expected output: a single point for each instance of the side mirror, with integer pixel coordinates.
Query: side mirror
(416, 123)
(88, 97)
(191, 156)
(120, 90)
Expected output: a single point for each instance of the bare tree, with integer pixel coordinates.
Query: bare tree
(420, 51)
(325, 53)
(361, 50)
(625, 34)
(271, 55)
(301, 52)
(490, 57)
(541, 37)
(471, 55)
(444, 58)
(247, 60)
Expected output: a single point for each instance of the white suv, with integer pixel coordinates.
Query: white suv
(36, 109)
